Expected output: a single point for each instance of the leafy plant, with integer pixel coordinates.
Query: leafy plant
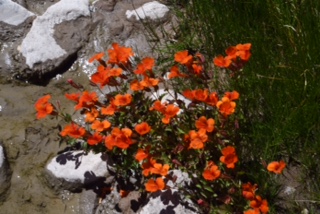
(150, 123)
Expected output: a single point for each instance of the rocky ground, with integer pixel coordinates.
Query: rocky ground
(39, 52)
(31, 66)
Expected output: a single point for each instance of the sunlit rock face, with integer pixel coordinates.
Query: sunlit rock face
(170, 200)
(56, 36)
(153, 11)
(74, 170)
(15, 21)
(13, 13)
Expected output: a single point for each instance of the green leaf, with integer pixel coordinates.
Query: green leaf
(67, 118)
(180, 131)
(168, 129)
(199, 186)
(208, 188)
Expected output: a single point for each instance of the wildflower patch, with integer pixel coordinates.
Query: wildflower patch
(151, 135)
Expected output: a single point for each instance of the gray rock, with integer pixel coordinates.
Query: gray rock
(15, 21)
(182, 179)
(13, 13)
(56, 36)
(88, 202)
(130, 204)
(153, 11)
(74, 170)
(168, 201)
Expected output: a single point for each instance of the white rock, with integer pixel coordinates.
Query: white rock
(152, 10)
(289, 190)
(72, 166)
(168, 201)
(169, 96)
(181, 181)
(13, 13)
(39, 44)
(1, 156)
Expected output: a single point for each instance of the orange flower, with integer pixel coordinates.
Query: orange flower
(240, 50)
(243, 47)
(119, 55)
(73, 130)
(149, 82)
(243, 51)
(143, 128)
(159, 169)
(145, 65)
(87, 100)
(201, 95)
(142, 154)
(43, 107)
(248, 191)
(100, 78)
(197, 68)
(229, 156)
(203, 123)
(189, 95)
(197, 139)
(110, 109)
(226, 106)
(124, 193)
(147, 166)
(276, 167)
(155, 185)
(183, 58)
(170, 112)
(100, 126)
(95, 139)
(174, 72)
(115, 72)
(223, 62)
(97, 57)
(91, 115)
(212, 99)
(260, 204)
(119, 138)
(122, 100)
(251, 211)
(157, 105)
(73, 97)
(244, 55)
(232, 52)
(135, 85)
(110, 141)
(234, 95)
(211, 172)
(104, 74)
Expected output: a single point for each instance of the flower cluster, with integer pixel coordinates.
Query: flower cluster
(127, 118)
(257, 204)
(237, 57)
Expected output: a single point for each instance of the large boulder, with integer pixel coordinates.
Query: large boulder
(13, 13)
(54, 39)
(75, 170)
(15, 21)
